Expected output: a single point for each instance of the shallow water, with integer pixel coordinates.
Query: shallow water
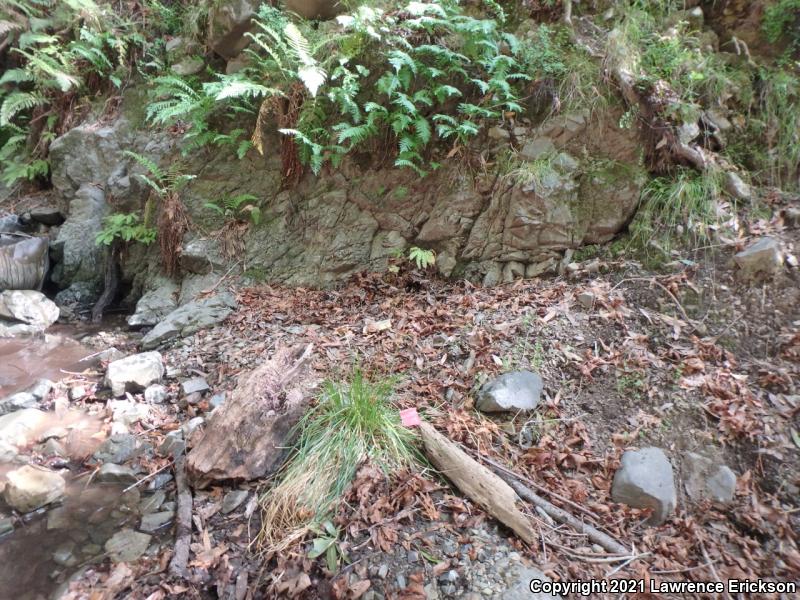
(24, 360)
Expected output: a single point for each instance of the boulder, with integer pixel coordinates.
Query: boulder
(645, 480)
(155, 305)
(23, 263)
(761, 258)
(127, 545)
(116, 474)
(46, 214)
(228, 21)
(201, 256)
(29, 488)
(134, 373)
(515, 391)
(190, 318)
(191, 65)
(28, 306)
(708, 479)
(156, 520)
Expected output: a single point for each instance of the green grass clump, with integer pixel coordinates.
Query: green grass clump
(681, 208)
(353, 423)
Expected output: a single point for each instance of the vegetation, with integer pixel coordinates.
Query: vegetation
(125, 228)
(353, 422)
(237, 207)
(421, 257)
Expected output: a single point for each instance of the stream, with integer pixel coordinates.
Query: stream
(42, 548)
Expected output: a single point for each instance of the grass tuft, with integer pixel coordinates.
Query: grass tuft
(354, 422)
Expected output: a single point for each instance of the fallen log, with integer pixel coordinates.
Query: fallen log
(249, 436)
(183, 522)
(477, 482)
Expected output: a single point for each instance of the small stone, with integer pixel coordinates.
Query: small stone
(18, 401)
(644, 480)
(159, 481)
(537, 148)
(127, 545)
(708, 479)
(515, 391)
(29, 488)
(155, 394)
(58, 518)
(191, 426)
(64, 555)
(77, 392)
(152, 502)
(383, 571)
(153, 521)
(586, 300)
(126, 413)
(118, 449)
(194, 385)
(401, 581)
(413, 556)
(47, 215)
(217, 400)
(111, 473)
(173, 444)
(233, 499)
(760, 258)
(53, 447)
(134, 373)
(737, 188)
(498, 133)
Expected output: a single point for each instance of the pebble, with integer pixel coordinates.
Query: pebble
(232, 500)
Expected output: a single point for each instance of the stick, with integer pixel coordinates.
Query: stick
(598, 537)
(183, 529)
(143, 479)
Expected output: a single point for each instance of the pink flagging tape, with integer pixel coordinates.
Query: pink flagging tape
(409, 417)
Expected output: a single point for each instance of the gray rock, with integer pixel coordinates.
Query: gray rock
(6, 526)
(18, 401)
(586, 300)
(190, 318)
(41, 388)
(537, 148)
(78, 294)
(173, 444)
(217, 400)
(8, 453)
(228, 21)
(127, 545)
(791, 217)
(762, 258)
(152, 502)
(191, 65)
(53, 447)
(521, 588)
(233, 499)
(645, 480)
(688, 132)
(29, 488)
(195, 384)
(47, 214)
(134, 373)
(155, 305)
(737, 188)
(111, 473)
(201, 256)
(156, 394)
(81, 259)
(515, 391)
(154, 521)
(64, 555)
(125, 413)
(498, 133)
(512, 271)
(193, 286)
(28, 306)
(707, 479)
(118, 449)
(19, 428)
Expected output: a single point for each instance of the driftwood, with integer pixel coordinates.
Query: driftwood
(23, 262)
(477, 482)
(249, 435)
(183, 522)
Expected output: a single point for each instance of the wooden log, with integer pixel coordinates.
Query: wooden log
(248, 437)
(477, 482)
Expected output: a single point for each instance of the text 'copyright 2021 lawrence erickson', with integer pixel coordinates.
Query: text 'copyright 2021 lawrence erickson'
(591, 587)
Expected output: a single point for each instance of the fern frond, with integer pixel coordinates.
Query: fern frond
(18, 102)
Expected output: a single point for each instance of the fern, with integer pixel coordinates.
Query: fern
(18, 102)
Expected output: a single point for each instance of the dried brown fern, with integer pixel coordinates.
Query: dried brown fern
(173, 223)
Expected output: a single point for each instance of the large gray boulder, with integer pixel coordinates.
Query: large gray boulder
(28, 306)
(644, 480)
(154, 305)
(29, 488)
(228, 22)
(511, 392)
(708, 479)
(134, 373)
(191, 318)
(23, 262)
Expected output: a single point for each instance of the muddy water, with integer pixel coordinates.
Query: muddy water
(23, 361)
(48, 546)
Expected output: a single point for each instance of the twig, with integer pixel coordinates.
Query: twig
(183, 529)
(710, 565)
(533, 484)
(602, 539)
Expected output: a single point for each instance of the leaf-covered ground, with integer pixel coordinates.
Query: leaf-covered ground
(694, 359)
